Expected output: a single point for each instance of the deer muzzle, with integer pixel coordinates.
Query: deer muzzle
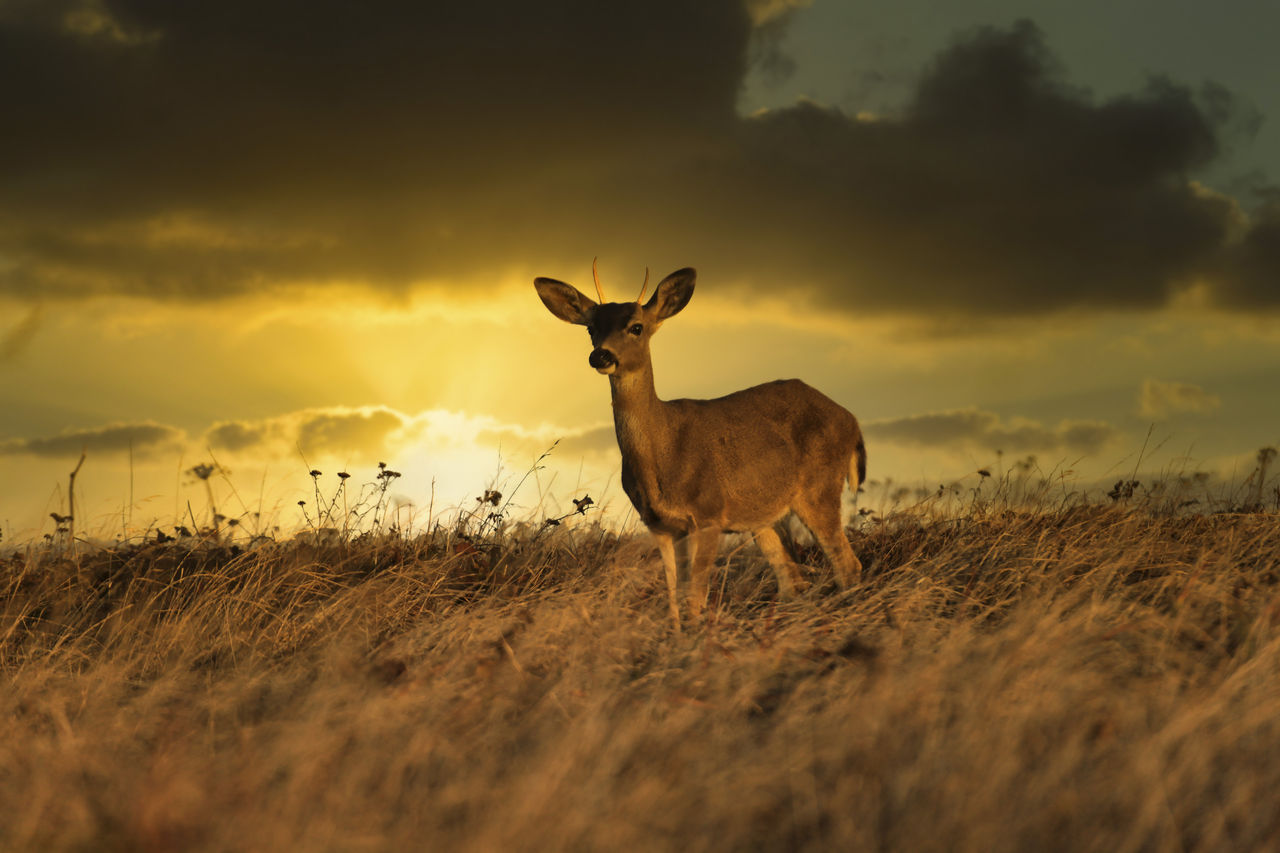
(603, 360)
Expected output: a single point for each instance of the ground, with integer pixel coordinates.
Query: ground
(1063, 676)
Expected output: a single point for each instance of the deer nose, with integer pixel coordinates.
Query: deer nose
(602, 358)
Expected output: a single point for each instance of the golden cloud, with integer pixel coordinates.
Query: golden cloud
(1159, 400)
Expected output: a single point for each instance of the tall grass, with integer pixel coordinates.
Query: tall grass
(1009, 675)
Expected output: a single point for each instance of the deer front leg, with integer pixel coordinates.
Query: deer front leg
(666, 547)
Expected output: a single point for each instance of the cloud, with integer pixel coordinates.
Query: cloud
(1159, 400)
(1000, 189)
(385, 143)
(347, 431)
(236, 436)
(513, 439)
(771, 19)
(145, 439)
(316, 431)
(601, 439)
(1252, 267)
(975, 428)
(93, 21)
(376, 431)
(204, 150)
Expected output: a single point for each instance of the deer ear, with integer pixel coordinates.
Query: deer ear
(564, 300)
(672, 293)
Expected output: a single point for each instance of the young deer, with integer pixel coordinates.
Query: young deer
(697, 468)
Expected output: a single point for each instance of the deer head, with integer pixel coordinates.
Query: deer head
(620, 331)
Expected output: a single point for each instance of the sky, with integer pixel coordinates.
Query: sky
(279, 237)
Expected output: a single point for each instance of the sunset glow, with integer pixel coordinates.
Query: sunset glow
(985, 241)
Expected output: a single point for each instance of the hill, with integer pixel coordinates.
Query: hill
(1055, 678)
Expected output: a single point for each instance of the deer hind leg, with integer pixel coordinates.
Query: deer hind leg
(703, 544)
(787, 572)
(821, 515)
(666, 547)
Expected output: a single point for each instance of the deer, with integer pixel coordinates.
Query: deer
(695, 469)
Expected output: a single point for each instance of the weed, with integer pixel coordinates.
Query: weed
(1021, 667)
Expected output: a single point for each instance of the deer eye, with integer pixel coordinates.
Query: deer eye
(636, 329)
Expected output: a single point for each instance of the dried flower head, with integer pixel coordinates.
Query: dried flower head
(202, 471)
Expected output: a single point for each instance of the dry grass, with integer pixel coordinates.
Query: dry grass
(1070, 678)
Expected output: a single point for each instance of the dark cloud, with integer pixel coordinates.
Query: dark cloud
(144, 439)
(986, 430)
(204, 149)
(384, 141)
(1252, 274)
(1000, 189)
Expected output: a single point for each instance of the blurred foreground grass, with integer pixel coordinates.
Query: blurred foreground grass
(1058, 678)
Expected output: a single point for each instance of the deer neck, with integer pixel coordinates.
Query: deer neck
(638, 414)
(645, 439)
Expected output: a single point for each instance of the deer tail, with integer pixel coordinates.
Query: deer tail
(858, 463)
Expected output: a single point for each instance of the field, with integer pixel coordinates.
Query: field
(1008, 676)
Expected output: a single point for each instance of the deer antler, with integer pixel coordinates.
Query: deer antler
(643, 286)
(596, 276)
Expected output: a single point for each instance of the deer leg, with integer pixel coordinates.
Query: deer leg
(822, 517)
(703, 544)
(666, 547)
(787, 572)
